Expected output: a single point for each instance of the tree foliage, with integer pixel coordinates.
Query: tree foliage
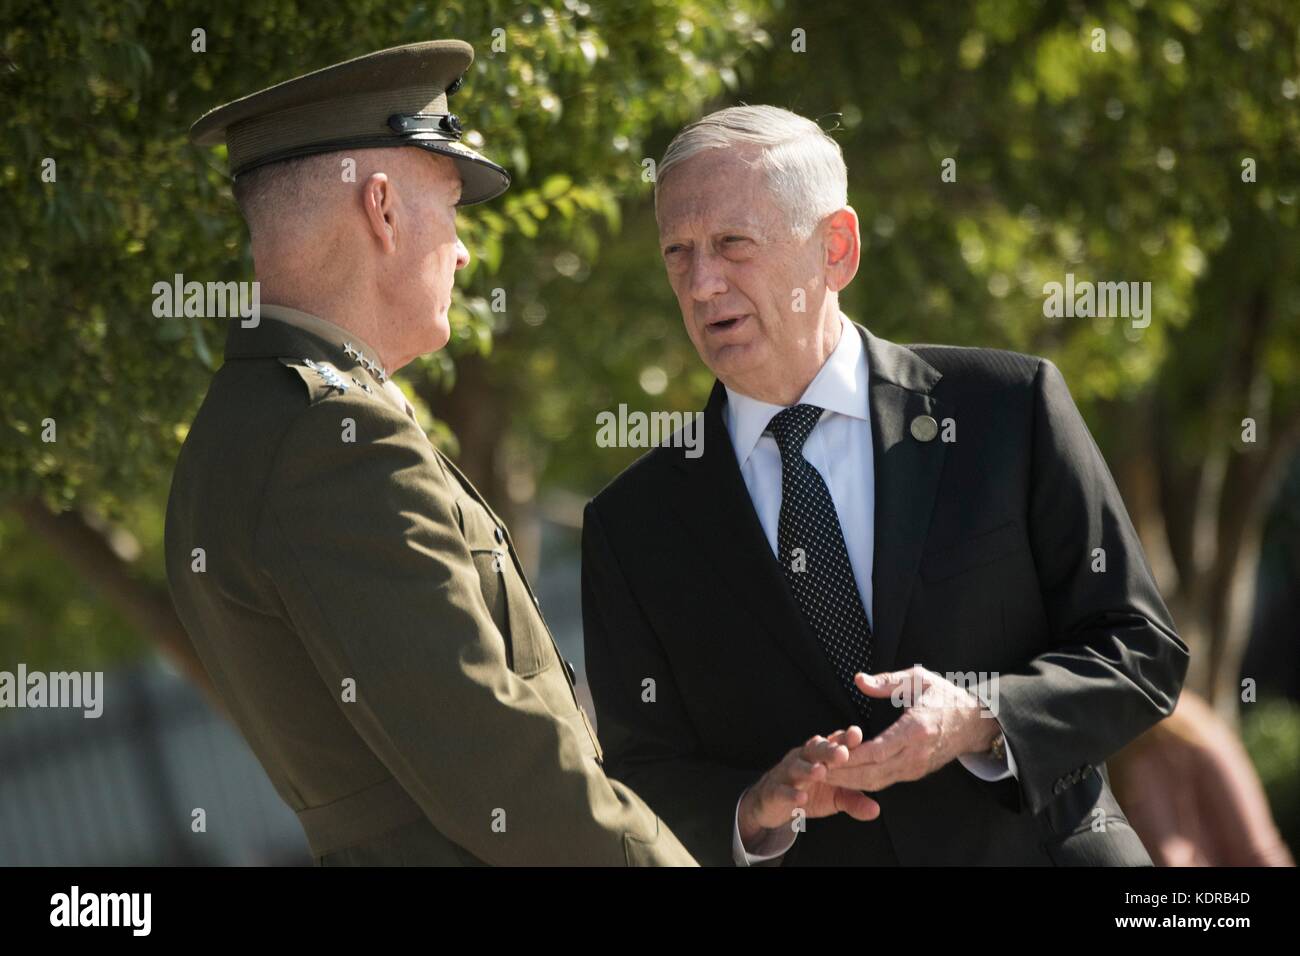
(561, 92)
(1106, 140)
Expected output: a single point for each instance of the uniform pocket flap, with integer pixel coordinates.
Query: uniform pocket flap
(481, 532)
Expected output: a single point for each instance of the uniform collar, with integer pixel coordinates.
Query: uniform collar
(299, 335)
(349, 342)
(840, 386)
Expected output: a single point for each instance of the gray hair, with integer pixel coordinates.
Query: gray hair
(269, 195)
(805, 167)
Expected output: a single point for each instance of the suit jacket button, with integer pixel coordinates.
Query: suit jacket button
(500, 536)
(573, 675)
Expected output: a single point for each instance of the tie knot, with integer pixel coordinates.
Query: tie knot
(792, 426)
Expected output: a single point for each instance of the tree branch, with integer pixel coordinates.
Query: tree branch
(147, 608)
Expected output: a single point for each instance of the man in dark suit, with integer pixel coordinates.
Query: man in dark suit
(859, 507)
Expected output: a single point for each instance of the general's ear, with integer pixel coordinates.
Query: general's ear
(379, 202)
(843, 248)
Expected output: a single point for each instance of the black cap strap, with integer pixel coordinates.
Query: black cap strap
(446, 124)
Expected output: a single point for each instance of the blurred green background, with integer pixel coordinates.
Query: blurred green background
(1164, 149)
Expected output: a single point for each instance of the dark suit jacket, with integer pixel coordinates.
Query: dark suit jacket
(983, 562)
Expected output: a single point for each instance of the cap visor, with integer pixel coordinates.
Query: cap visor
(481, 179)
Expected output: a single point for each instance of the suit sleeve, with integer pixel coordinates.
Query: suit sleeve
(364, 547)
(1115, 664)
(649, 743)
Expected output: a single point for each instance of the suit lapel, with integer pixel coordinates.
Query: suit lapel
(907, 474)
(716, 508)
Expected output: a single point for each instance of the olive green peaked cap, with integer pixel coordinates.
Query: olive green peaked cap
(393, 97)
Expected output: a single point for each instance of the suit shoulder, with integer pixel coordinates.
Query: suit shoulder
(639, 482)
(980, 369)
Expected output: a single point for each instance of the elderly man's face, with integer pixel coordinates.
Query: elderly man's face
(434, 252)
(735, 267)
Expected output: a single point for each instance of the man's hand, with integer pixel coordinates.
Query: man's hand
(799, 780)
(942, 722)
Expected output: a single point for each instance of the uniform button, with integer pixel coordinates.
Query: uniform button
(573, 675)
(500, 536)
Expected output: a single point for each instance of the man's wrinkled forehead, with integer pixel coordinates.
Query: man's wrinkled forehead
(715, 191)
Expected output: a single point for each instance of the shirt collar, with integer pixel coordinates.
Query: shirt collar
(840, 386)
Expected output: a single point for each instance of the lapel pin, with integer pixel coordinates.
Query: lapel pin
(924, 428)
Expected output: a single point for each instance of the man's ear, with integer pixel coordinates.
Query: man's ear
(843, 248)
(379, 201)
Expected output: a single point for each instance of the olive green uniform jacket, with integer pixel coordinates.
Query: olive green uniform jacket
(366, 622)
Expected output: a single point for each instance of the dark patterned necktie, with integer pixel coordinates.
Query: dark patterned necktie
(813, 555)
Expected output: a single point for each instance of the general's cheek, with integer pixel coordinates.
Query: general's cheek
(445, 258)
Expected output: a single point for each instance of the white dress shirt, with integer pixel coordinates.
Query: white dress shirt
(839, 447)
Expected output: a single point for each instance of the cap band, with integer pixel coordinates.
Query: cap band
(444, 125)
(348, 118)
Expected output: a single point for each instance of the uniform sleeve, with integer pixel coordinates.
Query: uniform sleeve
(1115, 664)
(363, 545)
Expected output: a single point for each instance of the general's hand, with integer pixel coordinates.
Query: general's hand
(799, 780)
(941, 723)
